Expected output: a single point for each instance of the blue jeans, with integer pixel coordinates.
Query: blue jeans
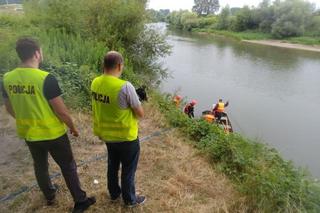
(127, 153)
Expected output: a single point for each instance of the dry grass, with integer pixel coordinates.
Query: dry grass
(171, 173)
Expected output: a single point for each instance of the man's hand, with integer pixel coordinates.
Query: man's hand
(74, 132)
(62, 113)
(139, 112)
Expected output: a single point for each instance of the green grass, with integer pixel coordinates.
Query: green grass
(269, 183)
(304, 40)
(246, 35)
(254, 35)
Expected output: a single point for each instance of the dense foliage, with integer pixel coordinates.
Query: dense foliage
(75, 35)
(270, 183)
(206, 7)
(158, 15)
(186, 20)
(281, 19)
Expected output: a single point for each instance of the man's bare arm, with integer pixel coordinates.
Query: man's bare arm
(138, 111)
(215, 107)
(9, 107)
(63, 114)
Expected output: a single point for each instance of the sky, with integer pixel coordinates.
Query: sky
(187, 4)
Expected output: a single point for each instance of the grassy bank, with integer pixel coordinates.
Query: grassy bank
(247, 35)
(304, 40)
(171, 172)
(173, 175)
(269, 183)
(254, 35)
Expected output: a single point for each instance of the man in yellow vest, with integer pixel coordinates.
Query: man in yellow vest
(116, 110)
(32, 97)
(177, 100)
(218, 109)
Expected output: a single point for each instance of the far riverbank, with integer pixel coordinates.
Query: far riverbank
(283, 44)
(300, 43)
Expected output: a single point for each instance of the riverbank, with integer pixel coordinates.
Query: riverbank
(300, 43)
(172, 174)
(284, 44)
(226, 173)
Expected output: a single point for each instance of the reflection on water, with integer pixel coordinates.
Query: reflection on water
(274, 92)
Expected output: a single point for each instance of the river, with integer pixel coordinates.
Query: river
(274, 93)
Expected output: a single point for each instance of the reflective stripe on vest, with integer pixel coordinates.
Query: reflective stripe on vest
(110, 122)
(35, 119)
(220, 107)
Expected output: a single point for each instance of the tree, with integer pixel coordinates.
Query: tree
(224, 18)
(206, 7)
(292, 17)
(234, 10)
(265, 16)
(158, 16)
(245, 19)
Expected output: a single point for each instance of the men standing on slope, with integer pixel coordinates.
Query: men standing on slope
(32, 97)
(116, 107)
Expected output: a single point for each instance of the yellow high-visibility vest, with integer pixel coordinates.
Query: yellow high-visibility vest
(110, 122)
(220, 107)
(35, 119)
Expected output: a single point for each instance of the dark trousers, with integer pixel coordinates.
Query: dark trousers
(126, 153)
(218, 115)
(61, 152)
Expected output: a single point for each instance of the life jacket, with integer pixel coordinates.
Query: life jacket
(209, 118)
(176, 101)
(220, 107)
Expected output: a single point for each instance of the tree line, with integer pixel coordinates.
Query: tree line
(281, 19)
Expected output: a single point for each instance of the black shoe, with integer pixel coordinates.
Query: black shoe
(52, 200)
(115, 199)
(81, 207)
(139, 201)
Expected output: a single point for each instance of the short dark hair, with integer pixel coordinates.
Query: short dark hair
(26, 48)
(111, 60)
(220, 100)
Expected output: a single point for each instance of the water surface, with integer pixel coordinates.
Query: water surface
(274, 93)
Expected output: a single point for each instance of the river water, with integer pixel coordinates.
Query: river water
(274, 93)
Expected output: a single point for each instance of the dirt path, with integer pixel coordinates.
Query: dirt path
(277, 43)
(172, 174)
